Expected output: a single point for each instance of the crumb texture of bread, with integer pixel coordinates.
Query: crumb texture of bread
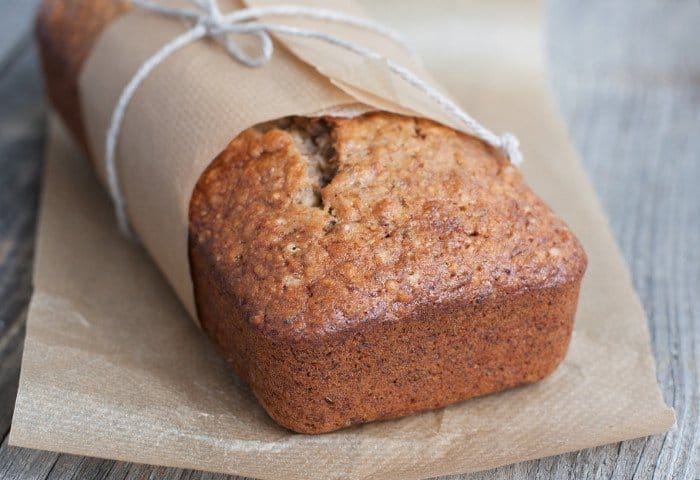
(317, 235)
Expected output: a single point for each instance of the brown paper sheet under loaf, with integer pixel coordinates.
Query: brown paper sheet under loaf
(360, 269)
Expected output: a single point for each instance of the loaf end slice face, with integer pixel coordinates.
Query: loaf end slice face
(361, 269)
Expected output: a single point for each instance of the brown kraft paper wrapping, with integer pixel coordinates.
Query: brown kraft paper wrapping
(113, 367)
(172, 130)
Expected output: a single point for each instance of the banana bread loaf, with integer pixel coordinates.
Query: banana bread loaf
(360, 269)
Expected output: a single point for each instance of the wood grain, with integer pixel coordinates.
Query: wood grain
(627, 76)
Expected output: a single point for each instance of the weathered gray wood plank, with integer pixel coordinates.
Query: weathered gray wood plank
(10, 357)
(15, 22)
(629, 85)
(21, 143)
(628, 79)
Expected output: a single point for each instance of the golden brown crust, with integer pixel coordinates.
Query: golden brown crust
(425, 273)
(66, 31)
(439, 355)
(415, 214)
(358, 269)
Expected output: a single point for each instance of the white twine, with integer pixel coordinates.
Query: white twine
(210, 22)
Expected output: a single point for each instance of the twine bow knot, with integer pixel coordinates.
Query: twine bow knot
(210, 22)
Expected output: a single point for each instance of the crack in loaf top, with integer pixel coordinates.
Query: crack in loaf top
(316, 225)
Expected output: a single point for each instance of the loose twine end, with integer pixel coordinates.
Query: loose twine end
(510, 146)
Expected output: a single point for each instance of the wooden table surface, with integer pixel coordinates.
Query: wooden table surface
(627, 76)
